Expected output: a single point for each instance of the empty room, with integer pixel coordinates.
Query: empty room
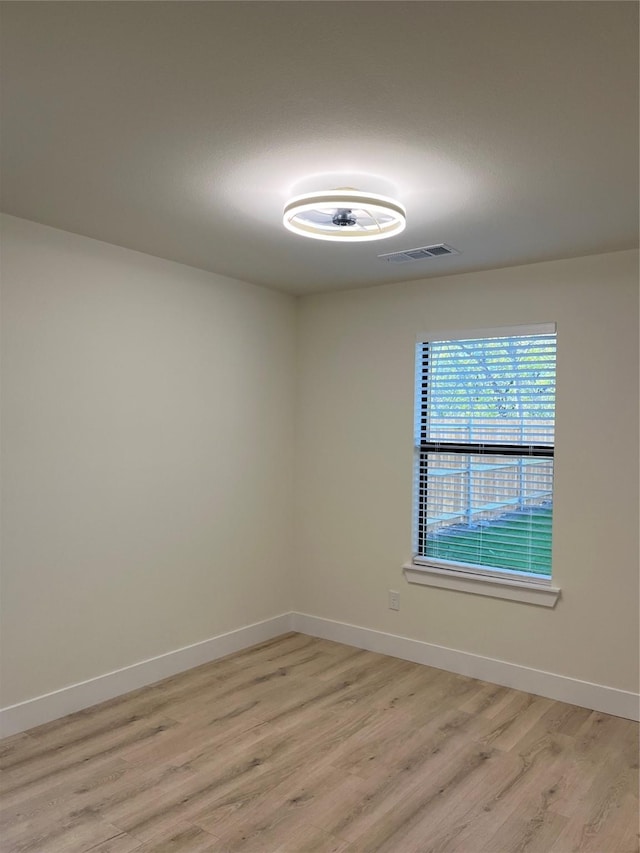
(319, 427)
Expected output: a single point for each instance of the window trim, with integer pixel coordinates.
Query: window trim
(480, 571)
(482, 580)
(529, 592)
(436, 335)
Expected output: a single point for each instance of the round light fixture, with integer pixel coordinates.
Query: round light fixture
(344, 215)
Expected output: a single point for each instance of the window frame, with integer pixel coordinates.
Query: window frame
(510, 584)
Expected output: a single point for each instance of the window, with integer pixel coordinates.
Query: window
(485, 414)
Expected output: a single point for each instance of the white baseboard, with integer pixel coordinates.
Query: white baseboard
(43, 709)
(598, 697)
(76, 697)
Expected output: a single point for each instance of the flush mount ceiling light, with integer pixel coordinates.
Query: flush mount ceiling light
(344, 215)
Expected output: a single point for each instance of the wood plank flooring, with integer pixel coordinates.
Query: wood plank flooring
(300, 745)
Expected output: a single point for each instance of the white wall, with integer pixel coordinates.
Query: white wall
(147, 433)
(354, 463)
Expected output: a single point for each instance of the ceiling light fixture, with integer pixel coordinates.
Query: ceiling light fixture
(344, 215)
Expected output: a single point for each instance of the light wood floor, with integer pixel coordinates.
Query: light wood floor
(300, 745)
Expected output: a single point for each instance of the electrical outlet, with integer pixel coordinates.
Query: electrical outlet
(394, 600)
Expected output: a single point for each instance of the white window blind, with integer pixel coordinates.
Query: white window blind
(485, 445)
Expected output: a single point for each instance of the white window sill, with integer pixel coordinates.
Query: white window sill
(515, 590)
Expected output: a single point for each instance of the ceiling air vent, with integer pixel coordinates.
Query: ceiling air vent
(421, 254)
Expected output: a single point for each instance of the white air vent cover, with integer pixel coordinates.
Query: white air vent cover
(421, 254)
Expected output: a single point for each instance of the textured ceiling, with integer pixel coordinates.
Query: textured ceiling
(508, 130)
